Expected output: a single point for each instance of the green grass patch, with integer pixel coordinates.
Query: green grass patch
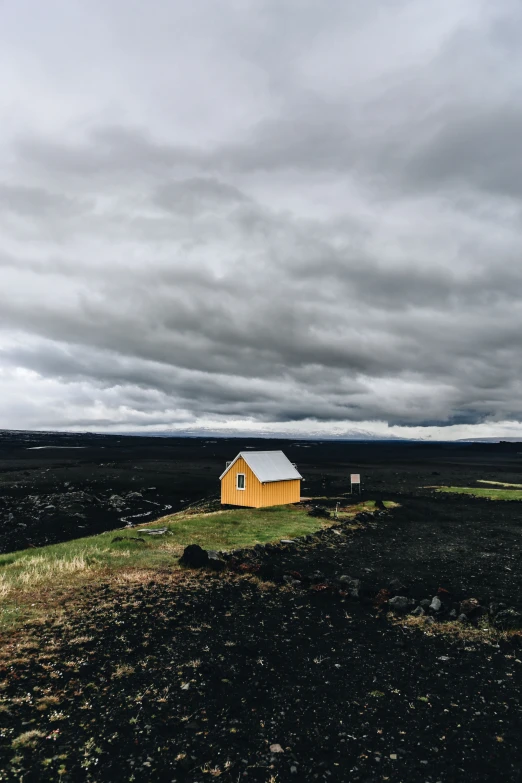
(35, 578)
(240, 527)
(31, 577)
(479, 492)
(499, 483)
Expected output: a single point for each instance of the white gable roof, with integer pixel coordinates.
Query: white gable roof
(267, 466)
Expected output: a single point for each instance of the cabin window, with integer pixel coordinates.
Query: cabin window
(240, 481)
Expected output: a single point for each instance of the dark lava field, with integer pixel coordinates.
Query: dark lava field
(288, 665)
(58, 486)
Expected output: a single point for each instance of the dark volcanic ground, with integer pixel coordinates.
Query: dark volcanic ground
(54, 487)
(270, 671)
(226, 676)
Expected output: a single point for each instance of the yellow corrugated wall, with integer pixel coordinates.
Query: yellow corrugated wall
(255, 494)
(250, 496)
(278, 493)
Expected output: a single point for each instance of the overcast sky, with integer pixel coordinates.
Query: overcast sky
(277, 215)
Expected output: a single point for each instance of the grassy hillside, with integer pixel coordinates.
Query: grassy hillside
(34, 579)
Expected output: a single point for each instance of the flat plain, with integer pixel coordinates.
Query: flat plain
(276, 668)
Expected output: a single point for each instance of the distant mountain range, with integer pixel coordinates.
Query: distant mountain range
(489, 440)
(355, 435)
(203, 433)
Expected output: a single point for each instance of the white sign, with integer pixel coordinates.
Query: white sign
(355, 478)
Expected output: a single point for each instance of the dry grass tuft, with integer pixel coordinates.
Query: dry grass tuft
(39, 569)
(29, 739)
(123, 671)
(47, 701)
(135, 576)
(29, 572)
(484, 633)
(5, 587)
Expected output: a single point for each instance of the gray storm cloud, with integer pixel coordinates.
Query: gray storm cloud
(299, 216)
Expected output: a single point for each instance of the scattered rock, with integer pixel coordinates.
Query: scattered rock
(194, 556)
(471, 608)
(160, 531)
(215, 561)
(462, 618)
(429, 621)
(419, 612)
(436, 604)
(351, 585)
(396, 587)
(508, 619)
(276, 748)
(116, 501)
(400, 604)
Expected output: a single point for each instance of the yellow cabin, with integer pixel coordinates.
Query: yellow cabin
(260, 478)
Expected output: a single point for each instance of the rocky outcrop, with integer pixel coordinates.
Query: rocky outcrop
(195, 556)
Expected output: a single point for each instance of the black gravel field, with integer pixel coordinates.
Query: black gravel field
(54, 487)
(288, 665)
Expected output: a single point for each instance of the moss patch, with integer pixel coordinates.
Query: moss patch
(479, 492)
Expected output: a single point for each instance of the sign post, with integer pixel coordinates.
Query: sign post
(355, 481)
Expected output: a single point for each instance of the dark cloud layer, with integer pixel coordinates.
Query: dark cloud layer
(302, 214)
